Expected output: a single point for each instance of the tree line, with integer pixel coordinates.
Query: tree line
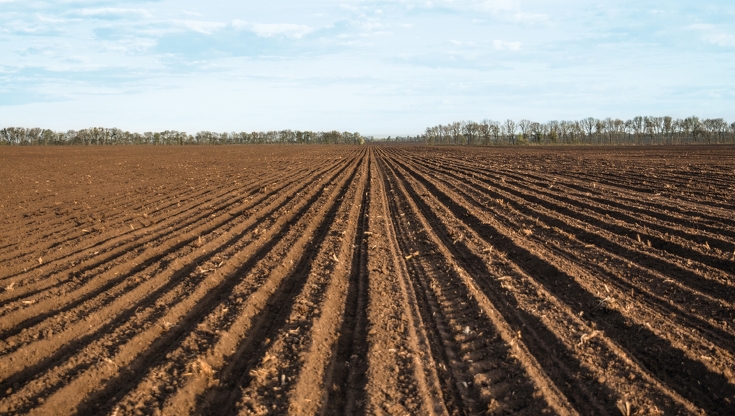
(103, 136)
(590, 131)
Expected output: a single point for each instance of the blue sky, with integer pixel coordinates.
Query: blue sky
(377, 67)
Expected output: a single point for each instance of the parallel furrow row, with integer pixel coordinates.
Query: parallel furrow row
(614, 320)
(126, 323)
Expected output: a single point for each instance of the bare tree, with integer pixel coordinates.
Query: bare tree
(537, 132)
(510, 130)
(600, 128)
(694, 127)
(588, 124)
(564, 131)
(668, 129)
(455, 130)
(576, 131)
(495, 131)
(525, 126)
(637, 126)
(470, 130)
(484, 131)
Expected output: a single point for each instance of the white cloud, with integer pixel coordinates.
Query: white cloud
(507, 10)
(267, 30)
(371, 25)
(496, 6)
(721, 39)
(533, 18)
(506, 45)
(111, 11)
(349, 7)
(413, 55)
(701, 27)
(52, 20)
(713, 34)
(201, 26)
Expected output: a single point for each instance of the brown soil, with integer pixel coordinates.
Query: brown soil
(367, 280)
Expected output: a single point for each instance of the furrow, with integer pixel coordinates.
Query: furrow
(75, 230)
(593, 231)
(347, 371)
(687, 245)
(166, 290)
(487, 361)
(166, 328)
(288, 372)
(195, 362)
(401, 373)
(557, 275)
(122, 238)
(77, 291)
(661, 293)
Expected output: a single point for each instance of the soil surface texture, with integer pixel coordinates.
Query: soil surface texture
(393, 280)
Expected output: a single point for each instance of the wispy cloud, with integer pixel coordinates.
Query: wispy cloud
(492, 5)
(506, 45)
(525, 17)
(267, 30)
(201, 26)
(106, 12)
(713, 34)
(402, 64)
(501, 10)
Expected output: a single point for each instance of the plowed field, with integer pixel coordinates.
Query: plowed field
(367, 280)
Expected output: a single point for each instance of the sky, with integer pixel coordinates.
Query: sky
(372, 66)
